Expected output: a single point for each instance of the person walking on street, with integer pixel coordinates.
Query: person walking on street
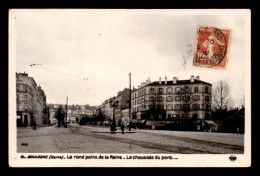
(122, 127)
(34, 124)
(112, 128)
(130, 125)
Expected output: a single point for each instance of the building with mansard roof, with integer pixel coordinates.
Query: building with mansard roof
(174, 107)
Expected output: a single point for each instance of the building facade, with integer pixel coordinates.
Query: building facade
(30, 101)
(121, 109)
(177, 104)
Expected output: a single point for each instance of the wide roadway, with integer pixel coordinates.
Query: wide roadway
(88, 139)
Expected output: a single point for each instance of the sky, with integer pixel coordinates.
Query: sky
(86, 55)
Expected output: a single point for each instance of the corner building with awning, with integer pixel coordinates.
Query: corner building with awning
(164, 105)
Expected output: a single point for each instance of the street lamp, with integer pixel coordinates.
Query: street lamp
(113, 104)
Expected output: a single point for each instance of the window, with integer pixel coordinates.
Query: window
(160, 98)
(206, 89)
(160, 116)
(177, 98)
(17, 97)
(169, 99)
(169, 107)
(25, 97)
(195, 106)
(177, 89)
(21, 87)
(152, 90)
(207, 98)
(169, 116)
(196, 97)
(207, 107)
(160, 90)
(169, 90)
(177, 106)
(25, 107)
(196, 89)
(186, 98)
(26, 88)
(186, 107)
(17, 87)
(151, 98)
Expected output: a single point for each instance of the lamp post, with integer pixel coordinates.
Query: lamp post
(113, 104)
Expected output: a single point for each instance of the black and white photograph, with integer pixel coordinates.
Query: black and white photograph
(129, 88)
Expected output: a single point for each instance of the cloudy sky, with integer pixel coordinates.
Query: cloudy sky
(105, 45)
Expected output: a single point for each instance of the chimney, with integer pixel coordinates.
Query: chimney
(197, 77)
(160, 80)
(174, 80)
(192, 78)
(149, 81)
(165, 80)
(139, 86)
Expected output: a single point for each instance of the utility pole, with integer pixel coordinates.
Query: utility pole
(130, 96)
(67, 112)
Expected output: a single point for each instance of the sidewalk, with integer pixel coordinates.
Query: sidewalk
(224, 138)
(104, 129)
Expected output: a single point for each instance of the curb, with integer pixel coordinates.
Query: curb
(110, 132)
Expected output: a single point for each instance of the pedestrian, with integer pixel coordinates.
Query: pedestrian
(122, 127)
(130, 125)
(112, 128)
(34, 124)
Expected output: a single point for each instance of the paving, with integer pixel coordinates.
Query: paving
(88, 139)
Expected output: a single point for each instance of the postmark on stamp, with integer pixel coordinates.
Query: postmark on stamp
(211, 49)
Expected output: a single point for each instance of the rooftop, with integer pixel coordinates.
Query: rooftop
(178, 82)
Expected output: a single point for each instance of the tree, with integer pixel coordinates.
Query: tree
(156, 105)
(222, 99)
(186, 99)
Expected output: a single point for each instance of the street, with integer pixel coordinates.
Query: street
(87, 139)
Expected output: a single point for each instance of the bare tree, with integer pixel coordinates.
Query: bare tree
(222, 99)
(185, 99)
(242, 101)
(155, 105)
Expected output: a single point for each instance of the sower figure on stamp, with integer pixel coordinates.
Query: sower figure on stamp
(210, 44)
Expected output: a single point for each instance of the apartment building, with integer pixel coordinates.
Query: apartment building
(179, 104)
(30, 101)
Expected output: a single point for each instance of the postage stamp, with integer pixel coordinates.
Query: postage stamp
(211, 49)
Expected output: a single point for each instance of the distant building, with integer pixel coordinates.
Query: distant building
(168, 94)
(30, 101)
(123, 103)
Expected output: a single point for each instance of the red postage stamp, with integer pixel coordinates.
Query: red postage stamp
(211, 49)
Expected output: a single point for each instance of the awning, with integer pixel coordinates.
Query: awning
(210, 122)
(159, 123)
(134, 120)
(149, 123)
